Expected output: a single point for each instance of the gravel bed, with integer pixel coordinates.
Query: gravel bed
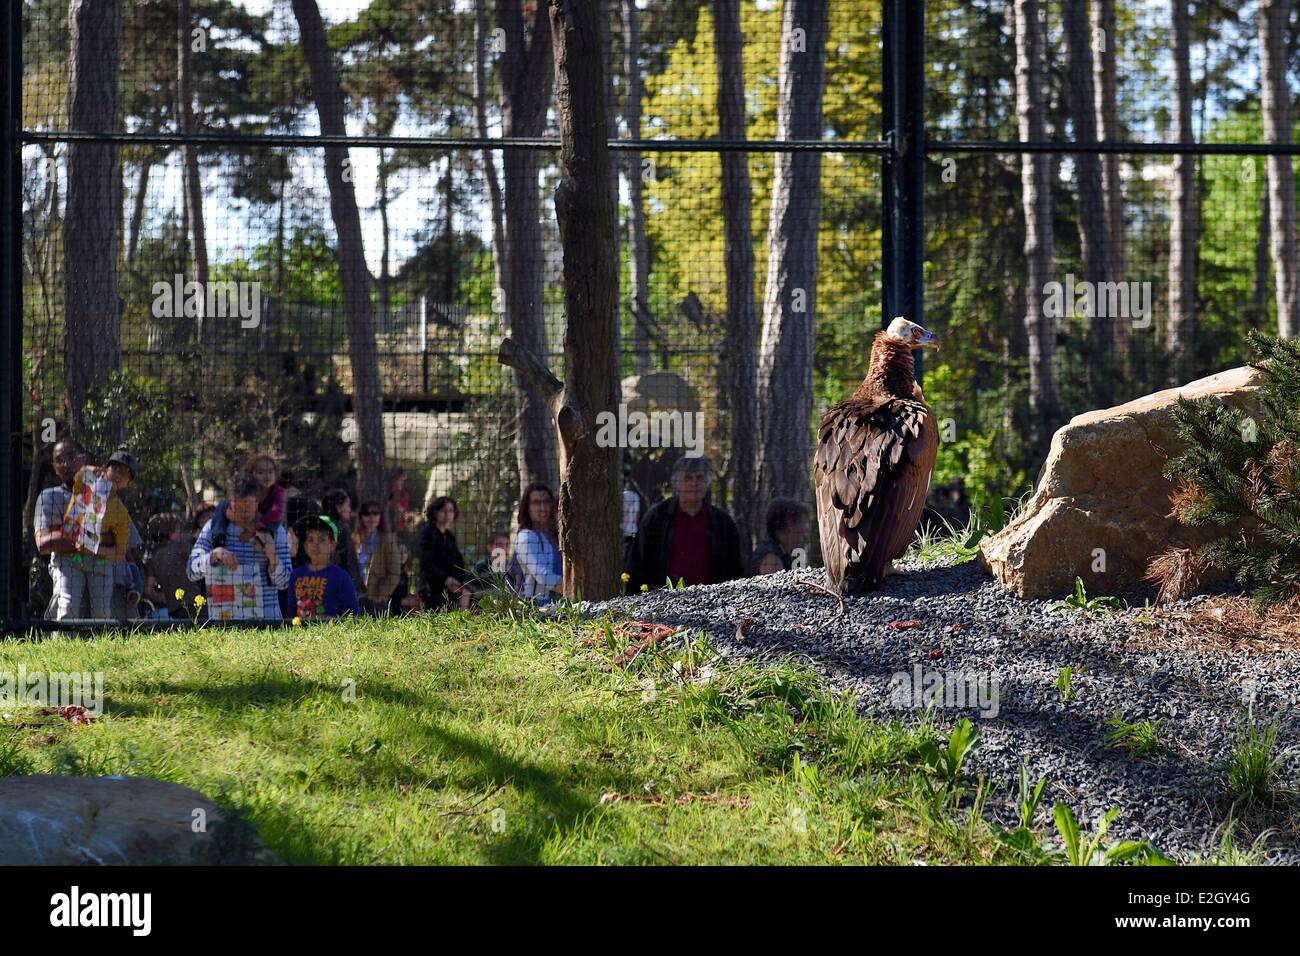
(971, 630)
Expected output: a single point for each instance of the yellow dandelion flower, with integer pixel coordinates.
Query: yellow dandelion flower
(645, 588)
(297, 622)
(180, 593)
(626, 577)
(200, 600)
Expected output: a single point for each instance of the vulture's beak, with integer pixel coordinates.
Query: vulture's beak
(927, 340)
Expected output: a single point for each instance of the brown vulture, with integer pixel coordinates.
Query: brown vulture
(875, 452)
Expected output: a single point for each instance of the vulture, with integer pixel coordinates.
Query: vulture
(875, 452)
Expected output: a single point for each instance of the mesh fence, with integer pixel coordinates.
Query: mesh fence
(203, 282)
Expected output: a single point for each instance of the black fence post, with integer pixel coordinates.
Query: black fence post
(11, 319)
(903, 177)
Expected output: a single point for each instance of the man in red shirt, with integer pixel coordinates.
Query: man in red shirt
(685, 538)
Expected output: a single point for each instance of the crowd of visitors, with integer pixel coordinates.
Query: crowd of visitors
(267, 551)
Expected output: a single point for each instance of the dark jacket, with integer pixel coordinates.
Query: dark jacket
(440, 559)
(345, 555)
(652, 549)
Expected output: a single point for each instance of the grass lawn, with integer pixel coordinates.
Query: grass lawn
(503, 739)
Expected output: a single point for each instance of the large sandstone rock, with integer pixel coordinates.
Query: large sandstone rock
(1102, 487)
(107, 821)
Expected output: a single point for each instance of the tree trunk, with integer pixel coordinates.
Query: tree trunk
(789, 303)
(589, 500)
(526, 90)
(738, 243)
(193, 185)
(1094, 238)
(1183, 226)
(137, 205)
(279, 238)
(638, 250)
(607, 13)
(489, 160)
(448, 292)
(1259, 285)
(1104, 88)
(92, 343)
(1036, 198)
(1273, 21)
(385, 315)
(367, 401)
(606, 18)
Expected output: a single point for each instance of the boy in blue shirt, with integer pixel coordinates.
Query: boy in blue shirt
(320, 588)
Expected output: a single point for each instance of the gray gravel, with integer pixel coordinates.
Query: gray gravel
(970, 625)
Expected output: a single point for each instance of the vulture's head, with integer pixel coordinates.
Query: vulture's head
(910, 335)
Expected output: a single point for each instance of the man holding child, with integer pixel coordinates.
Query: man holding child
(260, 553)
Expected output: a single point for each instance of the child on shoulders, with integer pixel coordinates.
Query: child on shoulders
(271, 501)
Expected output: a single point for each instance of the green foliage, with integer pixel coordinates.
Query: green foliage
(947, 542)
(985, 456)
(14, 760)
(1141, 738)
(1065, 683)
(1080, 850)
(1023, 840)
(1236, 468)
(137, 411)
(1077, 848)
(946, 762)
(296, 412)
(1225, 851)
(1092, 607)
(1251, 771)
(1030, 797)
(310, 267)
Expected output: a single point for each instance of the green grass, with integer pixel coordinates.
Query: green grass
(1091, 606)
(946, 542)
(1251, 772)
(1226, 852)
(505, 739)
(1065, 683)
(951, 543)
(1140, 738)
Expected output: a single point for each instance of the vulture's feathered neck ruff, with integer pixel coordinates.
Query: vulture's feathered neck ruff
(892, 370)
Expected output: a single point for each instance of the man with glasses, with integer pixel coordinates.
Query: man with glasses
(686, 538)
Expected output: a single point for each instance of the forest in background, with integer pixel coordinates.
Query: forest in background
(390, 274)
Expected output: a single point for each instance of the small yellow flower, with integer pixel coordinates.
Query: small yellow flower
(645, 588)
(626, 577)
(200, 600)
(180, 593)
(297, 622)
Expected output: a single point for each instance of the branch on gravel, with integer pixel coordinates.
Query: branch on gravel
(827, 591)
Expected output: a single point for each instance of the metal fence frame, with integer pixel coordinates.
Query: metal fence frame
(904, 149)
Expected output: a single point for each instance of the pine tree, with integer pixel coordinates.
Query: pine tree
(1237, 470)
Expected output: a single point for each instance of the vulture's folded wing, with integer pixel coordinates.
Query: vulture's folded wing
(872, 470)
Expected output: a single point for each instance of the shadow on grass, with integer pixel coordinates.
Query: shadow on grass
(228, 695)
(559, 806)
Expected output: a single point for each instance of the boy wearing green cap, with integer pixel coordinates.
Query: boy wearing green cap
(320, 588)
